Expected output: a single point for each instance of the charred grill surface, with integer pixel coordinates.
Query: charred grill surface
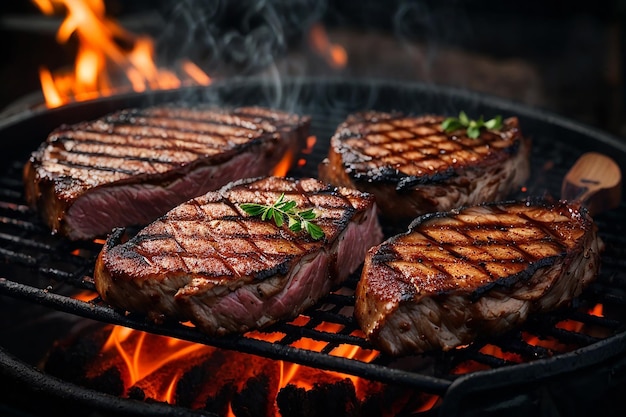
(130, 167)
(479, 271)
(413, 167)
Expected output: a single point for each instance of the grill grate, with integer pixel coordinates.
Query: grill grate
(52, 271)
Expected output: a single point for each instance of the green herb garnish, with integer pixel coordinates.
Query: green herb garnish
(297, 220)
(472, 127)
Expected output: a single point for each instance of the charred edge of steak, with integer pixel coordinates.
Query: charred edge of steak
(421, 320)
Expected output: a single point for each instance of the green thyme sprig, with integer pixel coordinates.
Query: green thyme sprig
(297, 220)
(472, 127)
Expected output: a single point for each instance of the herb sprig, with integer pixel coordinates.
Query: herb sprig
(472, 127)
(297, 220)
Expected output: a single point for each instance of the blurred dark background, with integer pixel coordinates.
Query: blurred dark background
(563, 56)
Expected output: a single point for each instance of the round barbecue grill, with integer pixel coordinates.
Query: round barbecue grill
(41, 269)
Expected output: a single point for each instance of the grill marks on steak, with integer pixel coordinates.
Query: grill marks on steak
(459, 275)
(130, 167)
(209, 262)
(413, 167)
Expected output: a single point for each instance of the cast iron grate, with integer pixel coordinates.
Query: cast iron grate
(52, 271)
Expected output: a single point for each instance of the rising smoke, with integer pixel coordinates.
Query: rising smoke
(236, 38)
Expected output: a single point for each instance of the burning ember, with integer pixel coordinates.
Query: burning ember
(148, 367)
(551, 344)
(134, 364)
(109, 58)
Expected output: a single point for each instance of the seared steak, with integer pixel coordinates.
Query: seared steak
(413, 167)
(481, 270)
(130, 167)
(210, 262)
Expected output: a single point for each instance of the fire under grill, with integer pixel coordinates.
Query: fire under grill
(554, 348)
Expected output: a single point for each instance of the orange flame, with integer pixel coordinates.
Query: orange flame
(597, 310)
(553, 345)
(334, 54)
(570, 325)
(155, 364)
(284, 165)
(84, 295)
(140, 356)
(310, 143)
(102, 65)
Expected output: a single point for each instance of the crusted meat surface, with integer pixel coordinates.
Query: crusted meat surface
(130, 167)
(413, 167)
(209, 262)
(481, 270)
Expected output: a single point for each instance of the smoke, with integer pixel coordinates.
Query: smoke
(228, 38)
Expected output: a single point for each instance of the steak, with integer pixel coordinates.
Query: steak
(456, 276)
(414, 167)
(209, 262)
(132, 166)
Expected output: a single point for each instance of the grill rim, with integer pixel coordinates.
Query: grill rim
(612, 345)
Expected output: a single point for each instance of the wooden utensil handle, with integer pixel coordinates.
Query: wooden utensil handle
(595, 181)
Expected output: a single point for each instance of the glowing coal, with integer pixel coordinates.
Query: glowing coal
(148, 367)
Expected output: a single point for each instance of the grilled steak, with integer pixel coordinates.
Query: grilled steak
(413, 167)
(456, 276)
(209, 262)
(130, 167)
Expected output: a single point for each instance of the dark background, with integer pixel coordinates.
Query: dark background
(564, 56)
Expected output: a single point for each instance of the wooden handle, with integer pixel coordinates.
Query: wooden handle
(595, 181)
